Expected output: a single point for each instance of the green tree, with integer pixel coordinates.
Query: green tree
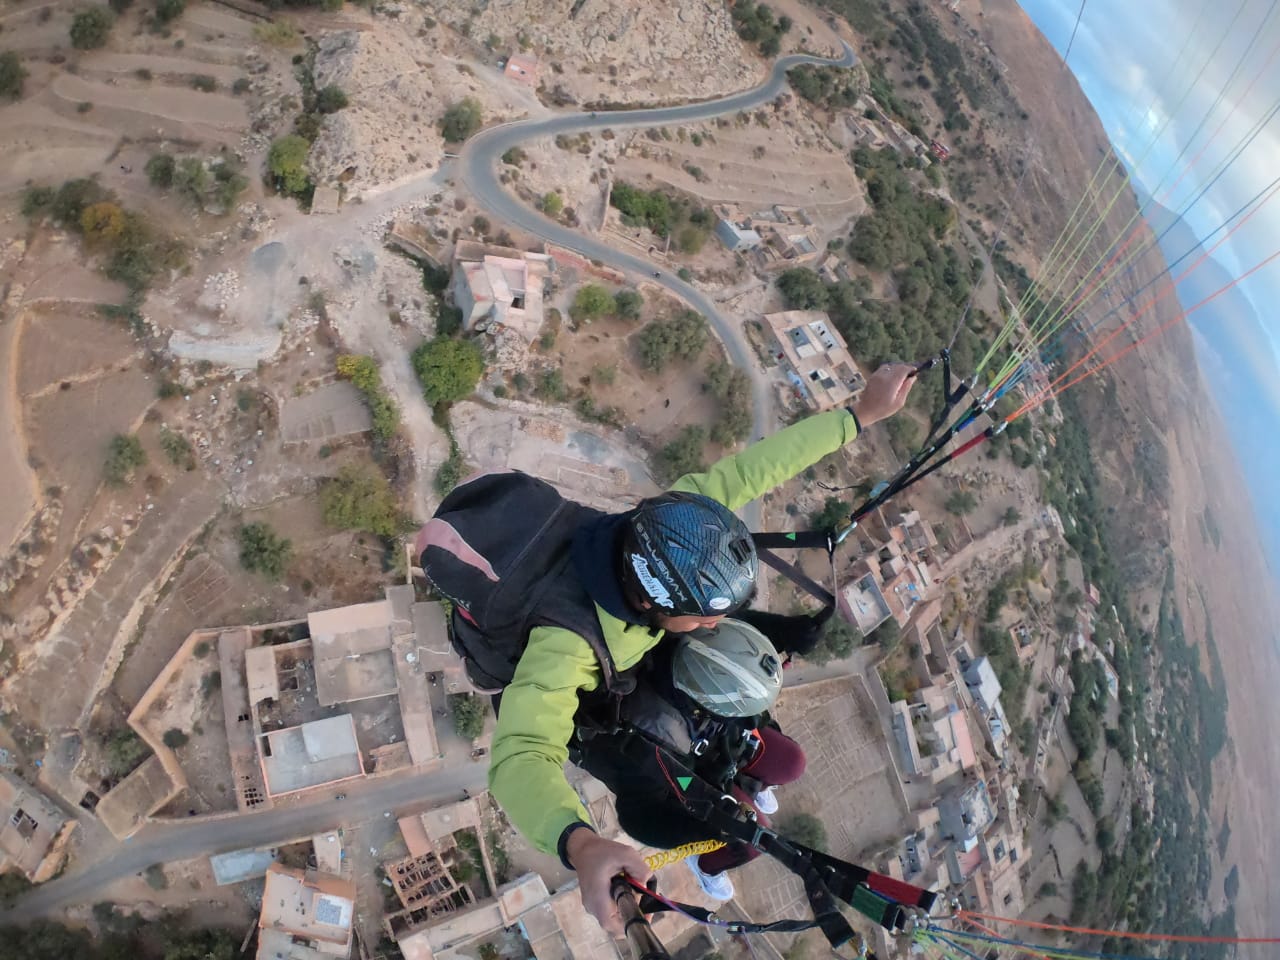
(1010, 517)
(837, 641)
(802, 289)
(468, 715)
(91, 27)
(461, 120)
(960, 503)
(888, 635)
(263, 551)
(169, 10)
(287, 161)
(683, 335)
(124, 456)
(684, 454)
(331, 99)
(160, 170)
(448, 369)
(361, 498)
(174, 738)
(552, 204)
(591, 302)
(627, 304)
(805, 828)
(833, 516)
(12, 74)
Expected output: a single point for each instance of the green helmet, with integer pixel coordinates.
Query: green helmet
(732, 670)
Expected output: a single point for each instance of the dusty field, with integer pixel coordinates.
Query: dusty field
(779, 154)
(136, 89)
(1240, 594)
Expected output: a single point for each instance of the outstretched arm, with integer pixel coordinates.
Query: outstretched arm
(741, 477)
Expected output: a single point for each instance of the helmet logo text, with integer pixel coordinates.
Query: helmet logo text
(652, 585)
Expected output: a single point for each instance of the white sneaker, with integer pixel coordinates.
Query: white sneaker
(766, 802)
(717, 887)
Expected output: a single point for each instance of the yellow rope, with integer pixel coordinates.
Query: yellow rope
(663, 857)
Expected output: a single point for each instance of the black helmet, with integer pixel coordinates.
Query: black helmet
(688, 555)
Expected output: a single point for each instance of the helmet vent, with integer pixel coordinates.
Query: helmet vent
(743, 550)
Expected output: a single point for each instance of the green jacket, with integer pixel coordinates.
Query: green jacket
(530, 748)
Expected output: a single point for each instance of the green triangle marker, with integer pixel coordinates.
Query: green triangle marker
(684, 782)
(791, 536)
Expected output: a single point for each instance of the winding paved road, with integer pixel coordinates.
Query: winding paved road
(184, 839)
(478, 168)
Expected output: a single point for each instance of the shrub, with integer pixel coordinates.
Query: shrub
(805, 828)
(287, 161)
(468, 715)
(174, 738)
(169, 10)
(461, 120)
(155, 877)
(90, 28)
(591, 302)
(833, 515)
(11, 75)
(837, 640)
(683, 335)
(331, 99)
(102, 224)
(448, 369)
(551, 386)
(802, 289)
(204, 83)
(363, 373)
(450, 471)
(178, 449)
(682, 455)
(627, 304)
(123, 750)
(124, 456)
(552, 204)
(360, 498)
(36, 201)
(960, 503)
(160, 169)
(241, 85)
(278, 34)
(263, 551)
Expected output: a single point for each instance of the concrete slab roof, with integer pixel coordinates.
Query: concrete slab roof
(312, 754)
(522, 894)
(333, 410)
(358, 628)
(241, 865)
(355, 676)
(125, 809)
(314, 906)
(30, 823)
(260, 674)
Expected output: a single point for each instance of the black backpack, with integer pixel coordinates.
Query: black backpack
(499, 548)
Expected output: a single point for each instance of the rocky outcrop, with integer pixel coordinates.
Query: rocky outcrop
(616, 51)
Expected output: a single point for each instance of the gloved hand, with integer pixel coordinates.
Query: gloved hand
(795, 635)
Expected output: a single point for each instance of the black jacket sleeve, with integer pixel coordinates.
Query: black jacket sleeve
(797, 634)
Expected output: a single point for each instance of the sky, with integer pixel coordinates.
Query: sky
(1189, 94)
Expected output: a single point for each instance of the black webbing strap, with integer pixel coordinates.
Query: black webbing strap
(878, 897)
(795, 575)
